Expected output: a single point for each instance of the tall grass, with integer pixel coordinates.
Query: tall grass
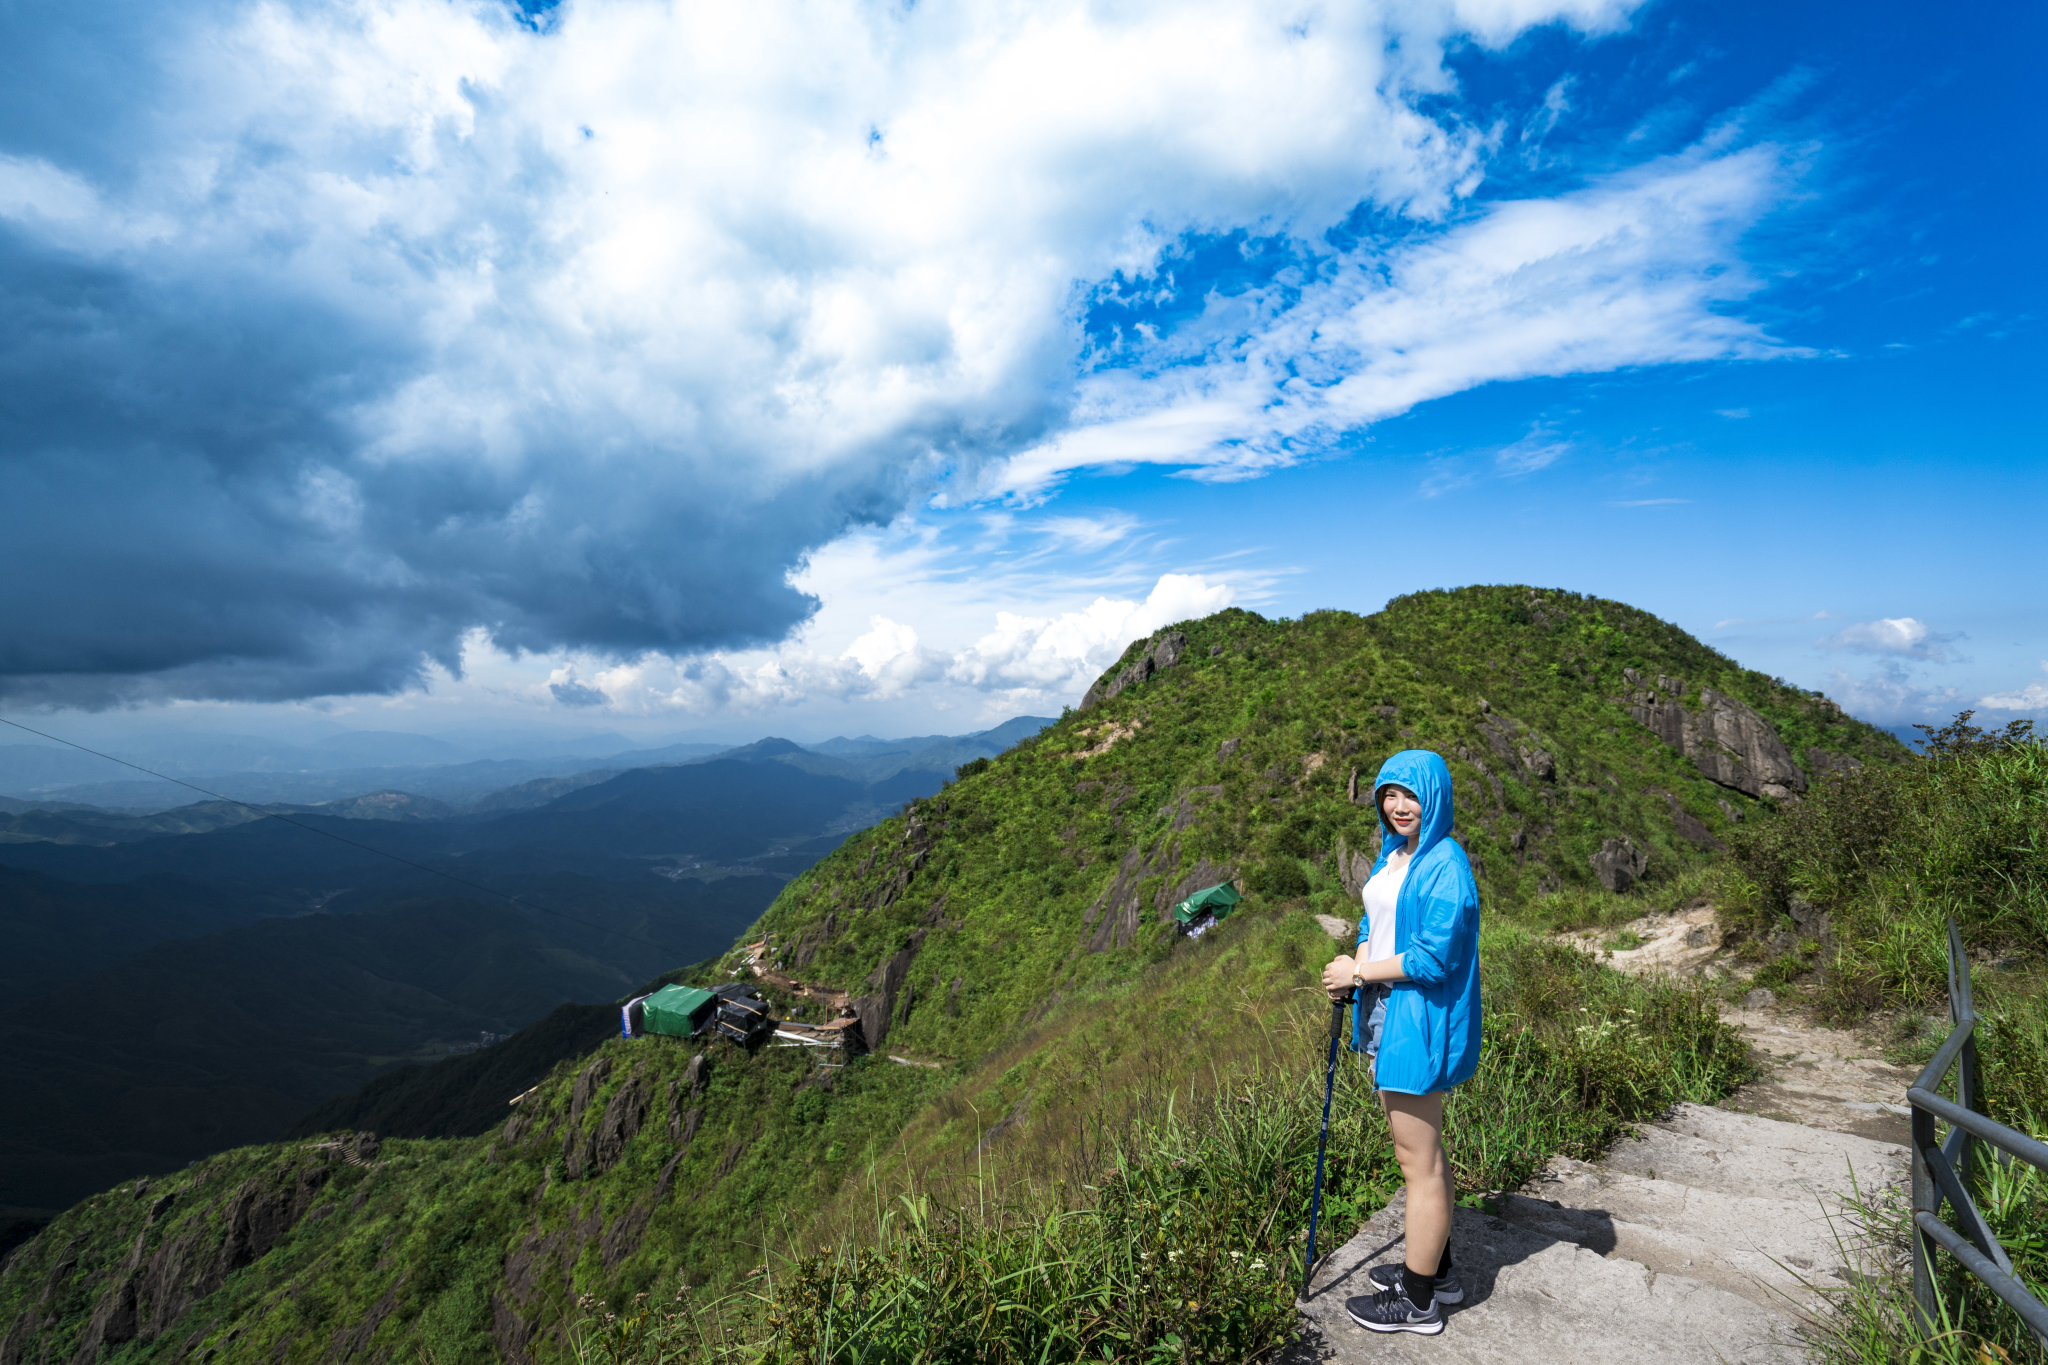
(1870, 1321)
(1187, 1244)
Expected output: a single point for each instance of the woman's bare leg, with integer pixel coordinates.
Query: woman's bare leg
(1417, 1124)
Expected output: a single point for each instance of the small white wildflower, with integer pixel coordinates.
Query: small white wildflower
(1237, 1255)
(1173, 1255)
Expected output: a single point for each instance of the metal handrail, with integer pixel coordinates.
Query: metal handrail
(1942, 1170)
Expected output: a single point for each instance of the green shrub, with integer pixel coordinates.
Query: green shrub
(1888, 854)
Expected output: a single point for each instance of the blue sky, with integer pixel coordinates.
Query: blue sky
(857, 367)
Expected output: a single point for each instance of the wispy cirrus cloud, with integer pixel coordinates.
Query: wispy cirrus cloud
(1734, 621)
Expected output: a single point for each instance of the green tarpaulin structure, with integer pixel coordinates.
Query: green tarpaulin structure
(1215, 902)
(676, 1010)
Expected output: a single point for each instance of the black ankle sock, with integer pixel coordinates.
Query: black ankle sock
(1419, 1286)
(1443, 1267)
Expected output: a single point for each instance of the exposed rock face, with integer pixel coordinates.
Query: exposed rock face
(1164, 651)
(1729, 743)
(877, 1011)
(1619, 864)
(1112, 921)
(259, 1216)
(622, 1118)
(587, 1082)
(1354, 867)
(1521, 748)
(574, 1150)
(115, 1320)
(149, 1291)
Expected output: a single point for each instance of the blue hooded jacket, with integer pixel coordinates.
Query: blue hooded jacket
(1430, 1040)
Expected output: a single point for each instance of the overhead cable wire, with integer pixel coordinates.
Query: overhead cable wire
(314, 829)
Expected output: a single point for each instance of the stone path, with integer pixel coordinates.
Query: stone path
(1706, 1239)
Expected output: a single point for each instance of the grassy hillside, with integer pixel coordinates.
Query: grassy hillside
(1011, 930)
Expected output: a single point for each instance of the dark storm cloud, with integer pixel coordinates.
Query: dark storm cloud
(250, 452)
(190, 514)
(204, 495)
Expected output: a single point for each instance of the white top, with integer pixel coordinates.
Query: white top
(1380, 894)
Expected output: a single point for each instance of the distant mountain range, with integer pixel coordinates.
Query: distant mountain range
(198, 977)
(361, 762)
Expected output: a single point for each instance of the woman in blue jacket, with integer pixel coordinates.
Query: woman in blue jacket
(1416, 970)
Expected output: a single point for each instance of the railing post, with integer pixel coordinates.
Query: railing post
(1925, 1199)
(1962, 1008)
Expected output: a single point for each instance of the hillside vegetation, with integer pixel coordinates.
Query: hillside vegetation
(263, 966)
(1011, 933)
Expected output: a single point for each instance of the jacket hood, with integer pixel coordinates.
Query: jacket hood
(1425, 774)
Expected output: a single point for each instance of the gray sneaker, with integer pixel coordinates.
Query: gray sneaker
(1390, 1311)
(1449, 1289)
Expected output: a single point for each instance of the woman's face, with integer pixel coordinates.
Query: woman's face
(1402, 811)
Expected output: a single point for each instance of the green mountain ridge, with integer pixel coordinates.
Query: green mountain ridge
(1012, 929)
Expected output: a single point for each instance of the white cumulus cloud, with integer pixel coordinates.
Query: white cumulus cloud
(1035, 659)
(1902, 636)
(2032, 697)
(1055, 653)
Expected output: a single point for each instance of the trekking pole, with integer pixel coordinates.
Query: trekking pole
(1315, 1206)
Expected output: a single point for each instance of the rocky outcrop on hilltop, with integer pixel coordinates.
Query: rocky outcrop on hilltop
(1727, 741)
(1162, 652)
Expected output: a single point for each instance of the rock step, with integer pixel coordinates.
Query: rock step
(1736, 1153)
(1769, 1251)
(1538, 1298)
(1747, 1204)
